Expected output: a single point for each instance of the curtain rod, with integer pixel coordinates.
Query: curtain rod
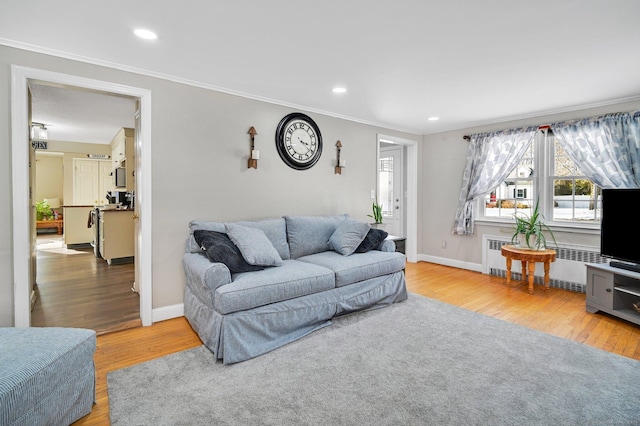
(543, 127)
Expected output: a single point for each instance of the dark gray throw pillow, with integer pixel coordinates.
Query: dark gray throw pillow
(218, 247)
(372, 241)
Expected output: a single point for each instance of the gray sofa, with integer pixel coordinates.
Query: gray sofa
(312, 268)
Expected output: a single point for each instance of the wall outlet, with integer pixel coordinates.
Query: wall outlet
(444, 244)
(373, 194)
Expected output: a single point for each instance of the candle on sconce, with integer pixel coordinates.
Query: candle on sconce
(343, 163)
(255, 154)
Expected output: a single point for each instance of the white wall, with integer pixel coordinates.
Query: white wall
(199, 159)
(443, 161)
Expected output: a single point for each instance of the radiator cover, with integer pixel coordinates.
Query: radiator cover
(568, 272)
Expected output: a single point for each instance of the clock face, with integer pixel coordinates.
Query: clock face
(299, 141)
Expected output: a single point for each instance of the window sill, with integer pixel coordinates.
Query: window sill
(590, 229)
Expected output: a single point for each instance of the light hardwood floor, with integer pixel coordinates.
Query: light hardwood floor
(558, 312)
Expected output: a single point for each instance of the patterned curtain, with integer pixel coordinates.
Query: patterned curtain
(606, 149)
(490, 159)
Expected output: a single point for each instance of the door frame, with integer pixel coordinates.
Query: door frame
(22, 285)
(411, 205)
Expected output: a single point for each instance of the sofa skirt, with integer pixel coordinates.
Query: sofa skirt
(246, 334)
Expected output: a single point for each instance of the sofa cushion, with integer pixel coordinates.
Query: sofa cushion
(348, 236)
(372, 241)
(292, 279)
(274, 229)
(254, 245)
(219, 248)
(358, 266)
(310, 234)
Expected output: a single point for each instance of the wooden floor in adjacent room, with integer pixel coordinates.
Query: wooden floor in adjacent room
(558, 312)
(77, 289)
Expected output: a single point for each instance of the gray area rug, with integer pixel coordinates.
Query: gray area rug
(417, 362)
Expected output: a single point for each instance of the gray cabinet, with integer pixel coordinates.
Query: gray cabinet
(613, 290)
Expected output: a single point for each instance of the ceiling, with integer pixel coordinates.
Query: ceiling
(467, 62)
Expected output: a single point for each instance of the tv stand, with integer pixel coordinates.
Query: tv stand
(613, 290)
(628, 266)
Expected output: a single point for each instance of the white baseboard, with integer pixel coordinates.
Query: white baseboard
(167, 312)
(477, 267)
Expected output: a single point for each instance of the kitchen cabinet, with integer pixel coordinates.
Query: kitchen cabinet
(123, 156)
(91, 181)
(76, 221)
(116, 234)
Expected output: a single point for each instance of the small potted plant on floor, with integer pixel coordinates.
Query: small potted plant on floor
(529, 230)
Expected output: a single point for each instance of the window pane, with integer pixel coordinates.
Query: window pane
(386, 185)
(575, 198)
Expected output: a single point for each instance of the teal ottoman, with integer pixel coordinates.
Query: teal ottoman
(47, 375)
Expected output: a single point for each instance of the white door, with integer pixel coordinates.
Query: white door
(85, 182)
(390, 189)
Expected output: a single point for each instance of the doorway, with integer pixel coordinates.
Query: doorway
(404, 188)
(72, 173)
(391, 187)
(23, 227)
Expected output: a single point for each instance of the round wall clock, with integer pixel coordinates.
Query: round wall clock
(299, 141)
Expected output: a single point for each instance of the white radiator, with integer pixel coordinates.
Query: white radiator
(567, 272)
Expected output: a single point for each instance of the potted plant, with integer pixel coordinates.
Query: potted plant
(377, 213)
(43, 211)
(529, 230)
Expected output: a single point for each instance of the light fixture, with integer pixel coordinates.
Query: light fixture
(254, 154)
(338, 90)
(39, 132)
(145, 34)
(434, 118)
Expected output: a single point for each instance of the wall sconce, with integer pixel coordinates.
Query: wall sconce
(340, 163)
(254, 154)
(39, 132)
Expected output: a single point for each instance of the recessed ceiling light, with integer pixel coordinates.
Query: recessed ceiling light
(433, 118)
(145, 34)
(338, 90)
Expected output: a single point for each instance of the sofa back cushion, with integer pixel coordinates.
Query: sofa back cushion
(274, 229)
(310, 234)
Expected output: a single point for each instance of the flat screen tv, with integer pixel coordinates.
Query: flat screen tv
(620, 230)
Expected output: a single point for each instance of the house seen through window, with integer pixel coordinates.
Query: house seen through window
(545, 171)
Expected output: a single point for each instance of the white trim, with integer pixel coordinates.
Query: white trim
(168, 312)
(411, 169)
(20, 77)
(450, 262)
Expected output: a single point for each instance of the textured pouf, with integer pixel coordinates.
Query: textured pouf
(47, 375)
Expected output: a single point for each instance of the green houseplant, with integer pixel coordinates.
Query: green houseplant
(377, 212)
(532, 229)
(43, 211)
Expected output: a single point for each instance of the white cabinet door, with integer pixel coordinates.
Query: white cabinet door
(106, 180)
(91, 181)
(85, 182)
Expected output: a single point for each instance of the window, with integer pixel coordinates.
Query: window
(575, 198)
(511, 195)
(565, 194)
